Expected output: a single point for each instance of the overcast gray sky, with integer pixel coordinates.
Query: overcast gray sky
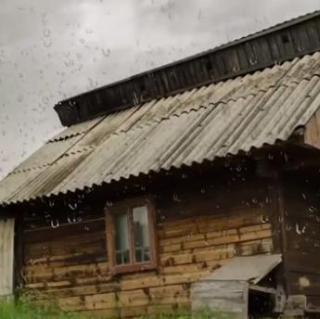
(53, 49)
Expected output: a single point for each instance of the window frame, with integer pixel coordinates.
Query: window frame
(120, 208)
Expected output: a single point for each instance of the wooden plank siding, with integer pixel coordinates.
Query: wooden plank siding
(302, 232)
(197, 233)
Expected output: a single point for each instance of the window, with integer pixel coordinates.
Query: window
(131, 237)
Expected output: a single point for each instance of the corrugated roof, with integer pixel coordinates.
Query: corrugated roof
(197, 125)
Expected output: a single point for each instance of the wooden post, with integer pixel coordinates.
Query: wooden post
(18, 255)
(278, 219)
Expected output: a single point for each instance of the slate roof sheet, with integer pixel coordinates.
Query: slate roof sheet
(197, 125)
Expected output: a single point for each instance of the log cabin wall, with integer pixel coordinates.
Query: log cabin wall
(198, 229)
(302, 236)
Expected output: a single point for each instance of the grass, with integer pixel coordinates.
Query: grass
(25, 310)
(199, 315)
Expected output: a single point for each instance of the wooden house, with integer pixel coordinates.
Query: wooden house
(187, 187)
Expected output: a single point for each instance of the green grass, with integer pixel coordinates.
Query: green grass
(25, 310)
(199, 315)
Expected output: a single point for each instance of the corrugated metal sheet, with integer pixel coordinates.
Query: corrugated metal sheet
(250, 268)
(6, 256)
(197, 125)
(75, 130)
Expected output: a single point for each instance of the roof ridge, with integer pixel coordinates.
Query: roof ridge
(275, 27)
(273, 45)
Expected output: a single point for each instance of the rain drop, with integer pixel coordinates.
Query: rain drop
(54, 223)
(73, 206)
(109, 204)
(46, 32)
(300, 230)
(176, 198)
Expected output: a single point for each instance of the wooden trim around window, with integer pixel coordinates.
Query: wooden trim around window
(121, 207)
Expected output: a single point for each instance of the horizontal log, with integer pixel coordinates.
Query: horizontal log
(151, 281)
(133, 298)
(135, 312)
(100, 301)
(184, 269)
(92, 302)
(171, 248)
(81, 290)
(92, 243)
(181, 239)
(47, 273)
(206, 224)
(66, 230)
(68, 259)
(176, 259)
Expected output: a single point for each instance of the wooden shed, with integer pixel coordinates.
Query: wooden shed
(191, 186)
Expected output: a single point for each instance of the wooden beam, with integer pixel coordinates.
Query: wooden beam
(263, 289)
(312, 131)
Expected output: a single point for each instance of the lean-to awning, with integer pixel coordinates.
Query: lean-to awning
(227, 288)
